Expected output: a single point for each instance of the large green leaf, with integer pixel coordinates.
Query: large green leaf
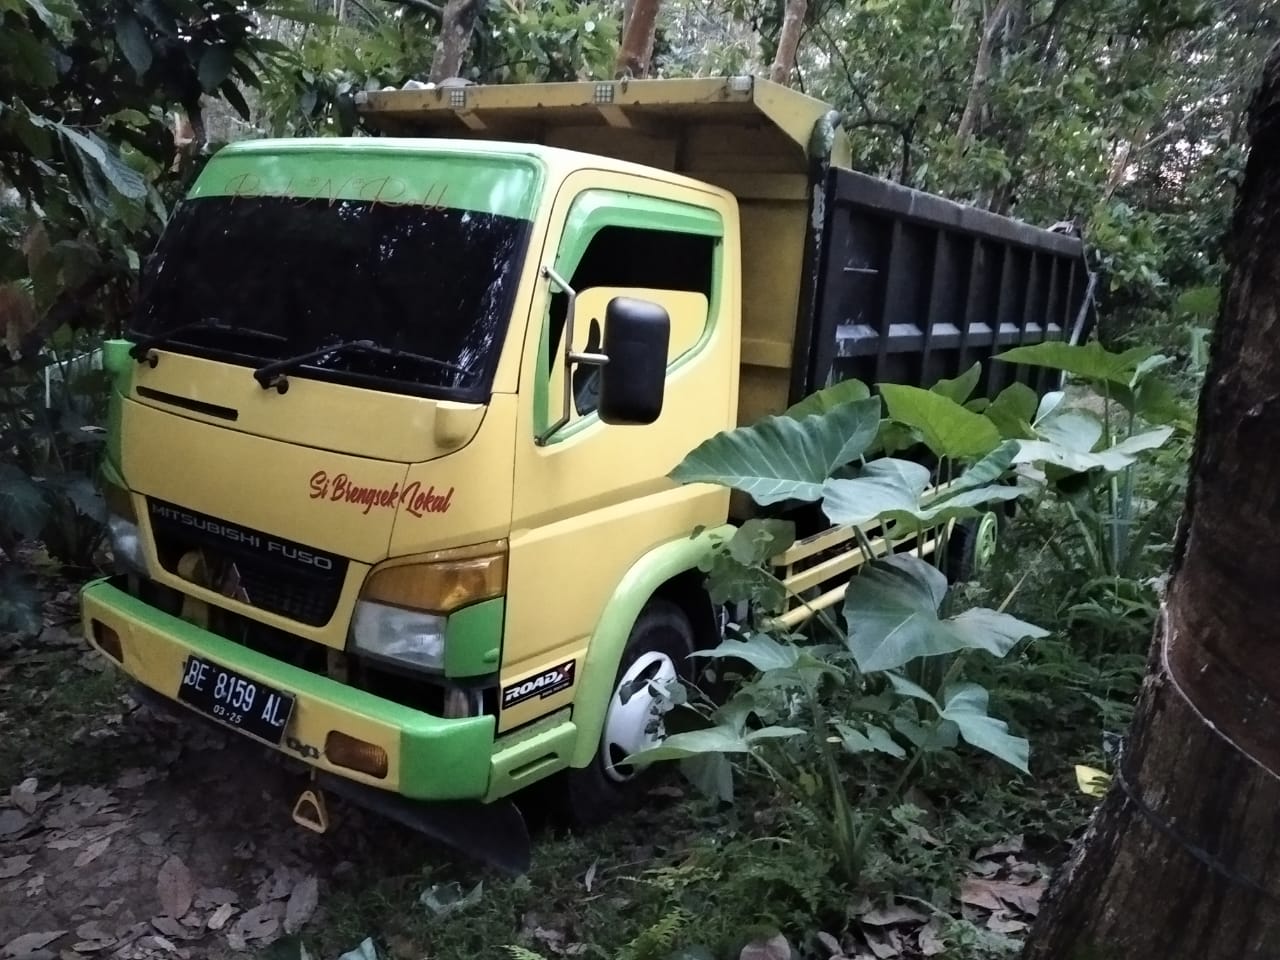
(1092, 361)
(829, 398)
(133, 42)
(1013, 410)
(894, 491)
(123, 178)
(215, 65)
(782, 458)
(718, 739)
(23, 507)
(758, 539)
(760, 650)
(961, 388)
(946, 428)
(891, 611)
(880, 487)
(870, 738)
(966, 707)
(1111, 460)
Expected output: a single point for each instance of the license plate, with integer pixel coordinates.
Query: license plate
(238, 702)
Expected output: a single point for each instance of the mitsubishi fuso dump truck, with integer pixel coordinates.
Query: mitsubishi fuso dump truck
(391, 429)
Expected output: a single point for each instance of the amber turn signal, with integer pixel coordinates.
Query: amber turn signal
(108, 641)
(346, 751)
(440, 586)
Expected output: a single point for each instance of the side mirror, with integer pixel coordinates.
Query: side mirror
(633, 381)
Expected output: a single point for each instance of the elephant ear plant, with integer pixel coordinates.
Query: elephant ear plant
(882, 675)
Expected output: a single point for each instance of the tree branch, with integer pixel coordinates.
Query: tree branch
(426, 6)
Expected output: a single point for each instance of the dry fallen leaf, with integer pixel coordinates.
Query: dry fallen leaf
(931, 943)
(11, 867)
(173, 929)
(887, 916)
(775, 948)
(174, 887)
(29, 943)
(1011, 845)
(23, 796)
(12, 821)
(830, 944)
(218, 919)
(302, 904)
(66, 843)
(261, 922)
(884, 943)
(93, 852)
(993, 894)
(1003, 923)
(590, 878)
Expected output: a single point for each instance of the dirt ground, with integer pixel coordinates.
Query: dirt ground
(142, 836)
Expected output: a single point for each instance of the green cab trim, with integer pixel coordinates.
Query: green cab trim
(604, 653)
(440, 759)
(596, 209)
(329, 169)
(531, 754)
(119, 366)
(591, 212)
(473, 639)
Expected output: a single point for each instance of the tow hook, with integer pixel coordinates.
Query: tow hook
(311, 812)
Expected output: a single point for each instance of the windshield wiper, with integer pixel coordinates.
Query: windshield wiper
(272, 375)
(141, 351)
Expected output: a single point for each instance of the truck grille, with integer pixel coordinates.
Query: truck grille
(267, 572)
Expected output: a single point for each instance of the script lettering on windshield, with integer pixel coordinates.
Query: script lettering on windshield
(384, 191)
(414, 498)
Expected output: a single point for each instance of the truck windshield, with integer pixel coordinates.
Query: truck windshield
(435, 283)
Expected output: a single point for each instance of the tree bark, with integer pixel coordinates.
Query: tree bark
(991, 29)
(784, 60)
(1182, 858)
(635, 51)
(457, 23)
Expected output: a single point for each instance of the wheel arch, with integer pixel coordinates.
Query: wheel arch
(669, 571)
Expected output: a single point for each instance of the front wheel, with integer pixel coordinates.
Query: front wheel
(656, 653)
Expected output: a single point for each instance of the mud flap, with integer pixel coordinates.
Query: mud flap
(493, 833)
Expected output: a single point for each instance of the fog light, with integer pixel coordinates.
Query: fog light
(108, 641)
(345, 751)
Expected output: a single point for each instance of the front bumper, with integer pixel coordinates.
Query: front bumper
(428, 758)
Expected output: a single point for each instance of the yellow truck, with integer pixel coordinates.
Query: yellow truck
(391, 429)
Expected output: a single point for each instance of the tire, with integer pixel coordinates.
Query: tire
(970, 547)
(659, 646)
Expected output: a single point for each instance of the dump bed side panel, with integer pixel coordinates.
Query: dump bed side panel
(913, 288)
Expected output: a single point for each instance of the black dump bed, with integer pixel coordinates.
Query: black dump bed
(908, 287)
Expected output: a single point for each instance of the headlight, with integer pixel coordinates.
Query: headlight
(404, 607)
(122, 528)
(406, 636)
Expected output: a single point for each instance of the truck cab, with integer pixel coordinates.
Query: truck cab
(391, 431)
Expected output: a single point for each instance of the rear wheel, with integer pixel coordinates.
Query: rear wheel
(656, 653)
(972, 546)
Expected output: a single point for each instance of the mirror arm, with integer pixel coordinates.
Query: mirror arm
(569, 356)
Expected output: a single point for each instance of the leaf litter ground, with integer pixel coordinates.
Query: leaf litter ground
(127, 833)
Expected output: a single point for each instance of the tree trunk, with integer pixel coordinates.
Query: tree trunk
(457, 23)
(982, 71)
(1182, 859)
(784, 60)
(636, 48)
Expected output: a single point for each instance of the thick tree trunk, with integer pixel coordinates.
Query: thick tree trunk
(1182, 860)
(983, 62)
(636, 48)
(457, 23)
(784, 60)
